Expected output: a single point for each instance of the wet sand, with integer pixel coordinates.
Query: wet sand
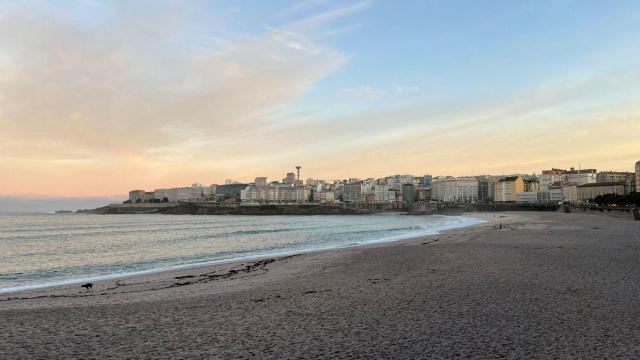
(545, 285)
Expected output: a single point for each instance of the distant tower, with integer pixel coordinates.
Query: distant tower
(298, 168)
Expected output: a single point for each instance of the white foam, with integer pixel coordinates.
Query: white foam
(453, 223)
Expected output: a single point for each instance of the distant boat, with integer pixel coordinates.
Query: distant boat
(63, 212)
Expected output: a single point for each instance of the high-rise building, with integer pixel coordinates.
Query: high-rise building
(384, 193)
(581, 176)
(507, 188)
(531, 184)
(637, 186)
(396, 181)
(290, 178)
(426, 181)
(408, 193)
(550, 177)
(352, 192)
(487, 187)
(261, 181)
(572, 176)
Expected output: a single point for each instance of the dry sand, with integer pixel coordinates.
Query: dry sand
(546, 285)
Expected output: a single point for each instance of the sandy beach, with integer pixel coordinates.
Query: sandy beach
(545, 285)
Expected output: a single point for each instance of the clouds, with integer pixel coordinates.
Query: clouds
(365, 92)
(100, 97)
(133, 88)
(368, 92)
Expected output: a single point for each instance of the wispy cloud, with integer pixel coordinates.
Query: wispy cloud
(136, 95)
(407, 89)
(316, 21)
(340, 31)
(301, 6)
(137, 99)
(365, 92)
(89, 90)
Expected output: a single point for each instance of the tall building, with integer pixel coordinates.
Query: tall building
(531, 184)
(424, 193)
(637, 186)
(290, 178)
(572, 176)
(550, 177)
(408, 193)
(426, 181)
(487, 187)
(384, 193)
(396, 181)
(261, 181)
(324, 196)
(507, 188)
(352, 192)
(581, 177)
(229, 192)
(570, 194)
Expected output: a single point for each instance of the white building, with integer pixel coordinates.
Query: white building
(261, 181)
(396, 181)
(570, 194)
(324, 196)
(532, 197)
(188, 193)
(581, 177)
(367, 186)
(383, 193)
(161, 194)
(450, 189)
(136, 196)
(549, 177)
(276, 193)
(555, 196)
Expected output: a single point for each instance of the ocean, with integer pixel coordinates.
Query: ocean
(53, 249)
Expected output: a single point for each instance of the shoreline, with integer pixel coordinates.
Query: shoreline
(545, 285)
(474, 220)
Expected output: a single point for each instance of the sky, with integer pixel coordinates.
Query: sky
(101, 97)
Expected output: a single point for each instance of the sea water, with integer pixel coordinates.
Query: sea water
(53, 249)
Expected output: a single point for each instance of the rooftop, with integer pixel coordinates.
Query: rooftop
(509, 178)
(602, 184)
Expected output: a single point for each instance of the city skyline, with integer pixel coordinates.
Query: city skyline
(98, 98)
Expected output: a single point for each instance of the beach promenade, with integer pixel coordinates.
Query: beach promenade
(545, 285)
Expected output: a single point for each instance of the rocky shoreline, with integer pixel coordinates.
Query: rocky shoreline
(202, 209)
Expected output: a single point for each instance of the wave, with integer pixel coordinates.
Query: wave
(39, 279)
